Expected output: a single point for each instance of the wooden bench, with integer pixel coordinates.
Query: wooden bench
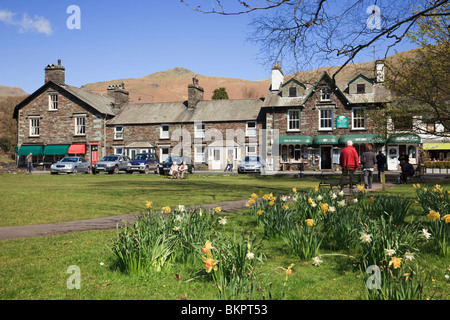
(349, 178)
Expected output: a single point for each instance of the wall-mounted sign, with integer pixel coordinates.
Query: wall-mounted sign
(342, 122)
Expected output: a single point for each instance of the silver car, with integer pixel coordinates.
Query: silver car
(251, 164)
(111, 164)
(71, 165)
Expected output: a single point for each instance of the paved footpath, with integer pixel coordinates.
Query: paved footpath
(107, 222)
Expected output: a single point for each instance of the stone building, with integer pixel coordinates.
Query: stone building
(58, 119)
(297, 125)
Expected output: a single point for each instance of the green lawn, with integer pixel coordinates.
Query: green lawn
(40, 199)
(36, 268)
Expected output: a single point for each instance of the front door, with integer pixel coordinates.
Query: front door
(325, 158)
(216, 158)
(392, 158)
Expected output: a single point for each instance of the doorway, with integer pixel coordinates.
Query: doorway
(325, 158)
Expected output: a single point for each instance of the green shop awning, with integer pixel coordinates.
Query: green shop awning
(325, 139)
(295, 140)
(36, 150)
(436, 146)
(405, 138)
(361, 138)
(56, 149)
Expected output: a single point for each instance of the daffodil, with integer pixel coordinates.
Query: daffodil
(223, 221)
(178, 218)
(181, 208)
(446, 218)
(254, 196)
(360, 188)
(207, 248)
(288, 271)
(251, 201)
(285, 207)
(271, 203)
(217, 209)
(310, 222)
(341, 203)
(433, 215)
(409, 256)
(396, 262)
(331, 209)
(294, 190)
(365, 237)
(324, 207)
(148, 204)
(310, 200)
(166, 209)
(250, 255)
(260, 212)
(319, 197)
(426, 234)
(210, 263)
(341, 193)
(316, 261)
(389, 252)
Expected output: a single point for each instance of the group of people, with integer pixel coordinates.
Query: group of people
(349, 159)
(178, 172)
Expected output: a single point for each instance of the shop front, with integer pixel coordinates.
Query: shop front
(295, 152)
(326, 151)
(405, 144)
(437, 151)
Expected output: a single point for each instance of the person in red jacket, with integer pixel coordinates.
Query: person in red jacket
(349, 157)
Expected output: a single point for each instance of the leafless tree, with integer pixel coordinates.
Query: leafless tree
(302, 33)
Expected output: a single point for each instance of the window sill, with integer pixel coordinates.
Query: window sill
(329, 130)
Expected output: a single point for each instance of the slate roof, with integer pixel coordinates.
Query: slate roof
(177, 112)
(379, 94)
(97, 102)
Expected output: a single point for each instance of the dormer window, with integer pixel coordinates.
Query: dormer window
(292, 91)
(325, 94)
(361, 88)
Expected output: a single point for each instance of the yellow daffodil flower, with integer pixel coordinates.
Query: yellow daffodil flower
(433, 215)
(396, 262)
(310, 222)
(446, 218)
(254, 196)
(148, 204)
(210, 264)
(218, 209)
(294, 190)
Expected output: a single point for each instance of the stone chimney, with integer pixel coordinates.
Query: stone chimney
(119, 94)
(195, 93)
(379, 71)
(55, 73)
(277, 77)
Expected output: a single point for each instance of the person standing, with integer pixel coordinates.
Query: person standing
(369, 160)
(229, 164)
(349, 157)
(381, 162)
(29, 160)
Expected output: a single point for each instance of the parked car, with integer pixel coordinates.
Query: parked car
(251, 164)
(71, 165)
(164, 167)
(111, 164)
(143, 163)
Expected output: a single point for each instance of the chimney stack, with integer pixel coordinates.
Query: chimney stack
(379, 71)
(55, 73)
(195, 93)
(277, 77)
(119, 94)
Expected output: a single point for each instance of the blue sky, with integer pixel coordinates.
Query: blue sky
(118, 40)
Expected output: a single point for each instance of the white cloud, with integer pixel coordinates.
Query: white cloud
(26, 24)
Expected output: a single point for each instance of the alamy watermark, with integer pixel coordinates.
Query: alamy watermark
(374, 20)
(74, 20)
(74, 281)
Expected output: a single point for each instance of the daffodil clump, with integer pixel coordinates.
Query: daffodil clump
(164, 235)
(435, 203)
